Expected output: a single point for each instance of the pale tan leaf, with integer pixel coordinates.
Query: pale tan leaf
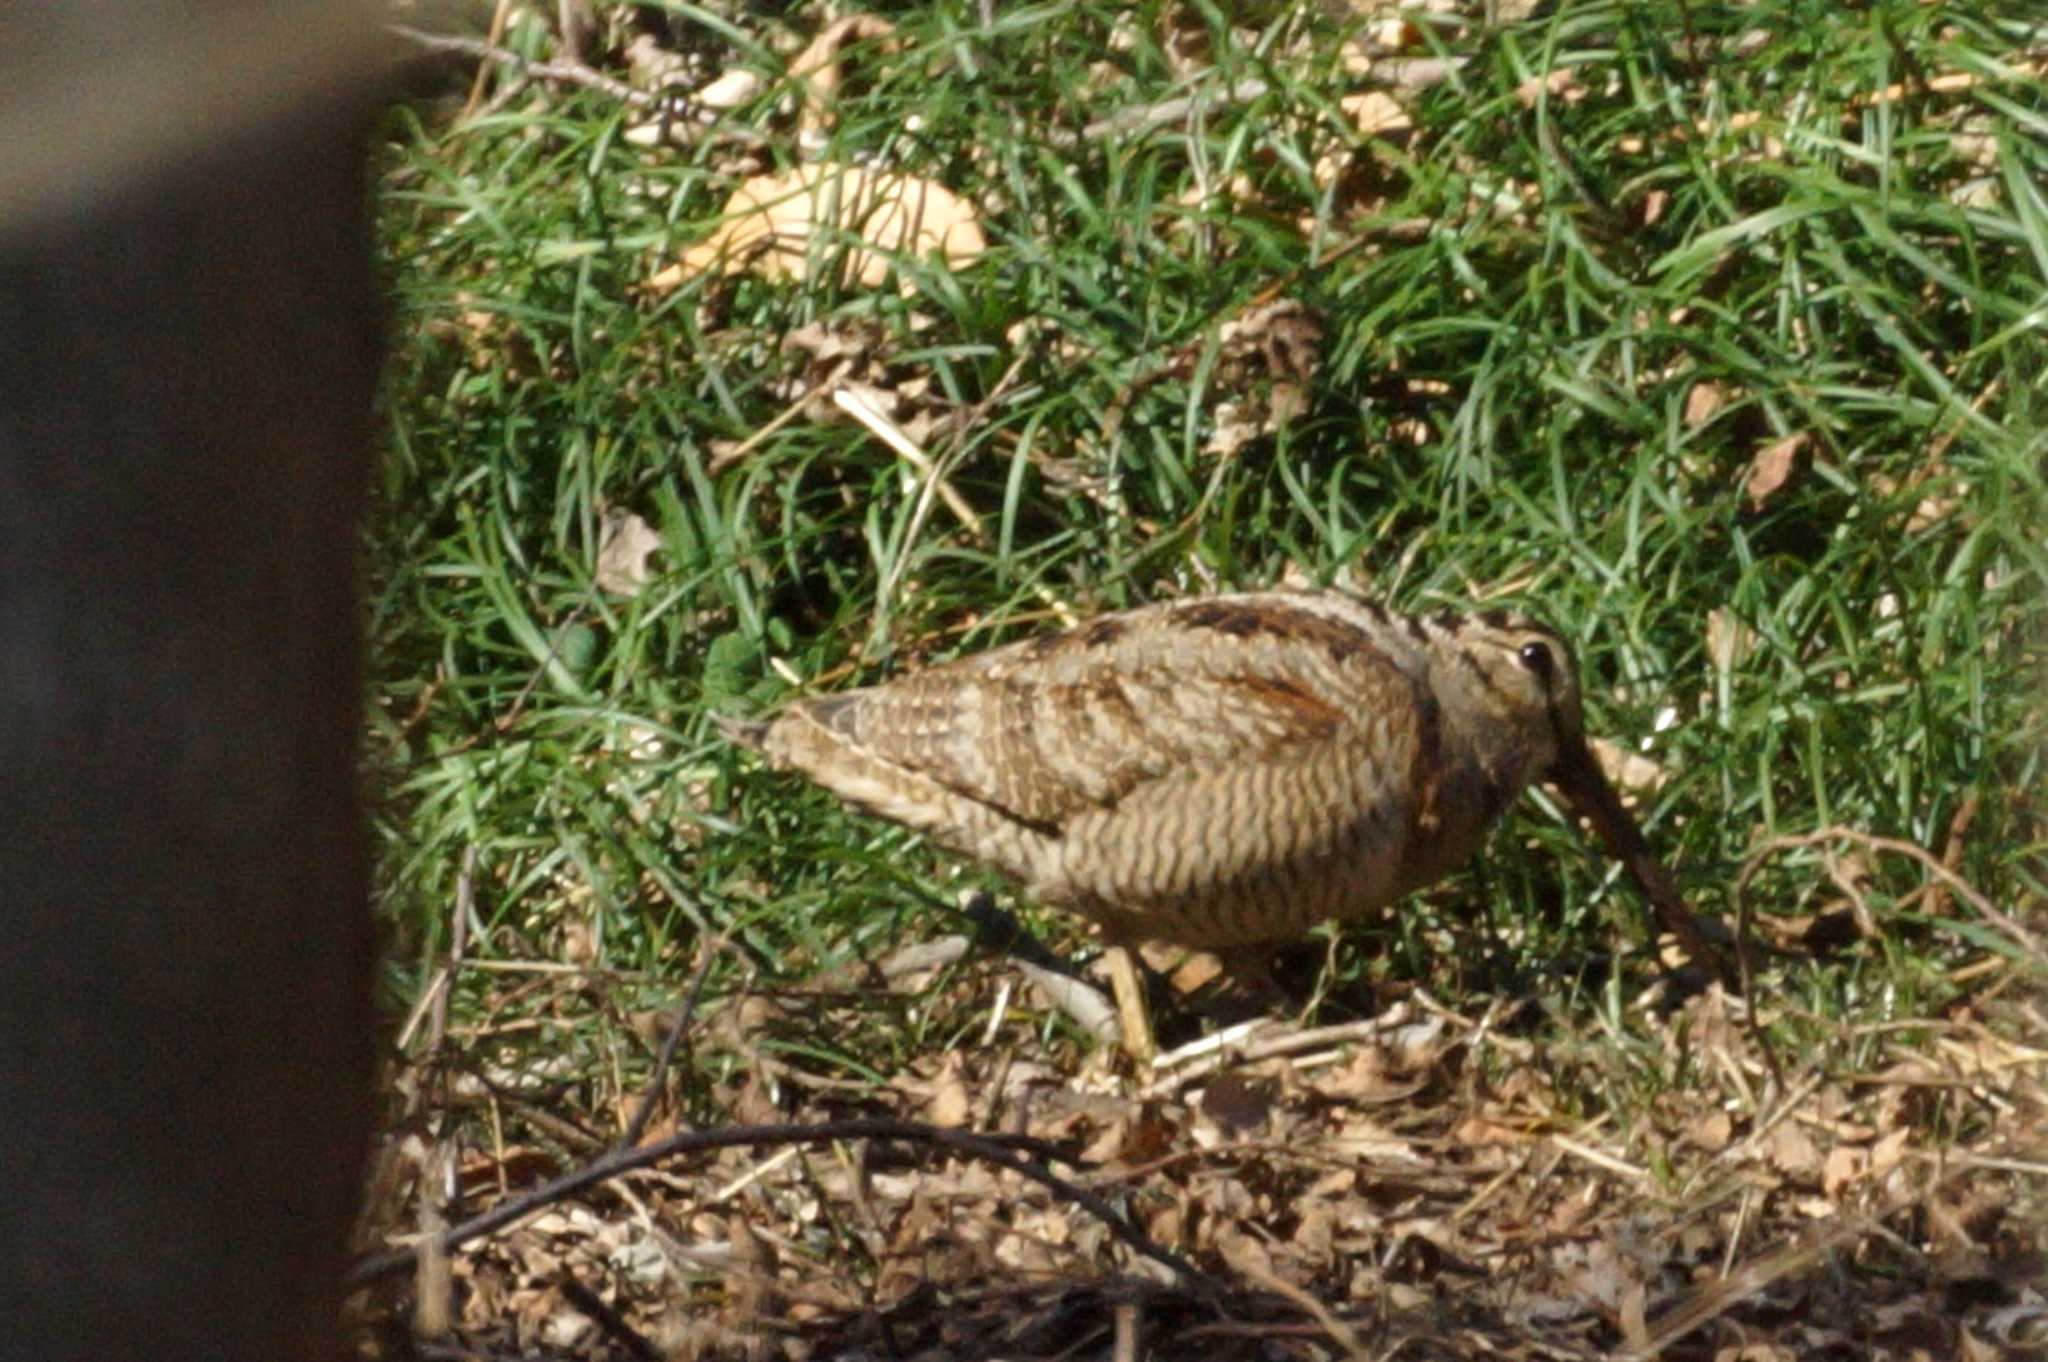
(732, 89)
(1729, 640)
(1628, 770)
(1375, 113)
(1845, 1163)
(950, 1104)
(1791, 1151)
(624, 545)
(1772, 468)
(1889, 1151)
(1563, 84)
(788, 225)
(1711, 1131)
(817, 67)
(1702, 403)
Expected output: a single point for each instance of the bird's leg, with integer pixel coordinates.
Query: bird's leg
(1061, 984)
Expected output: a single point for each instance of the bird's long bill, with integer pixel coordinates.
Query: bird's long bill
(1579, 777)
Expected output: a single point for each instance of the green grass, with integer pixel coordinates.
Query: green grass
(1502, 409)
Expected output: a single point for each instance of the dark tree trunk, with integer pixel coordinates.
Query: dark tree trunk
(188, 346)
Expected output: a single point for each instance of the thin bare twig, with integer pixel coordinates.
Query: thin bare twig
(2020, 935)
(649, 1096)
(606, 1318)
(499, 14)
(989, 1148)
(568, 73)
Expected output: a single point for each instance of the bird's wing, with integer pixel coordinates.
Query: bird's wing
(1044, 731)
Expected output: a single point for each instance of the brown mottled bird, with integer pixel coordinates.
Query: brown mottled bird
(1226, 770)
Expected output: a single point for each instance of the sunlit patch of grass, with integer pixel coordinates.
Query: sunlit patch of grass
(1621, 251)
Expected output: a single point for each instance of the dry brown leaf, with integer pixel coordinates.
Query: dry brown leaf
(1772, 468)
(1792, 1152)
(950, 1103)
(817, 70)
(1729, 640)
(1711, 1131)
(1702, 403)
(1362, 1139)
(1931, 511)
(1317, 1229)
(1237, 1104)
(1628, 770)
(1561, 84)
(1475, 1131)
(1186, 971)
(1844, 1164)
(770, 223)
(1889, 1151)
(1375, 113)
(729, 91)
(1370, 1077)
(624, 545)
(1243, 1253)
(1389, 33)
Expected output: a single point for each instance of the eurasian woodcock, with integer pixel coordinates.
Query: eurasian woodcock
(1224, 770)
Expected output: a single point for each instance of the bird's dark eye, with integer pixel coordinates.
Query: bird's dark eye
(1537, 658)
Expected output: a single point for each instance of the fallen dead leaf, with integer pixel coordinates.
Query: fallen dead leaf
(1370, 1077)
(817, 67)
(1628, 770)
(950, 1103)
(1889, 1151)
(1475, 1131)
(1711, 1131)
(732, 89)
(1845, 1163)
(1705, 399)
(624, 545)
(1237, 1104)
(1772, 468)
(1375, 113)
(1729, 640)
(787, 227)
(1792, 1151)
(1561, 84)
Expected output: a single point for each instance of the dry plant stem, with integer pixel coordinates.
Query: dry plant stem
(933, 479)
(991, 1148)
(607, 1319)
(1191, 1064)
(2020, 935)
(722, 461)
(568, 73)
(433, 1287)
(1339, 1332)
(499, 14)
(651, 1095)
(1718, 1298)
(433, 1004)
(1129, 1332)
(1132, 1013)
